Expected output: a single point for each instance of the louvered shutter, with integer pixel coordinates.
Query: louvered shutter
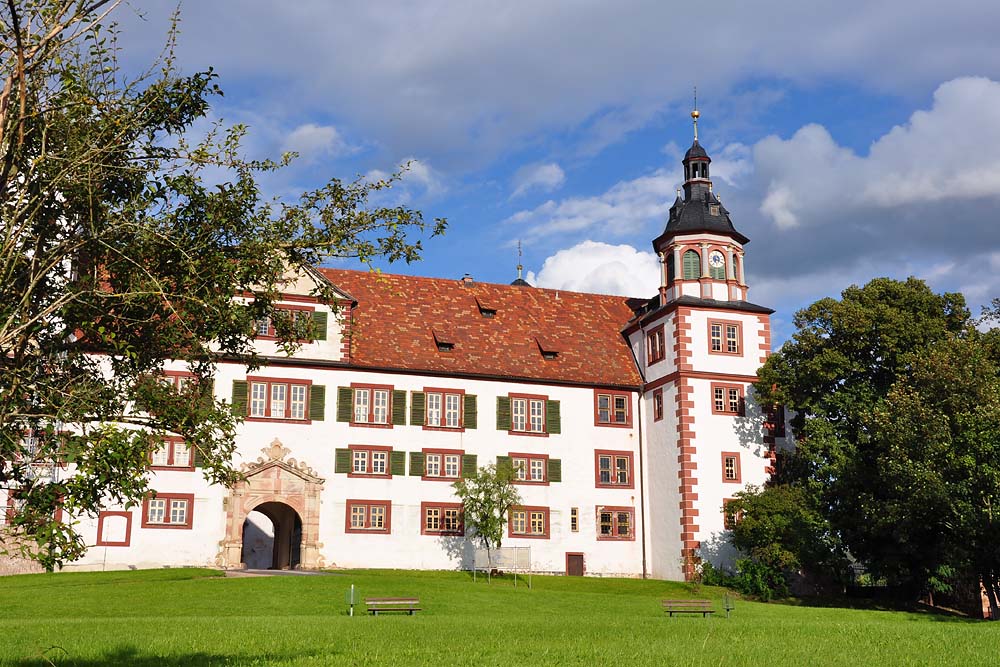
(692, 265)
(471, 416)
(317, 402)
(240, 397)
(553, 422)
(397, 463)
(555, 470)
(469, 465)
(198, 458)
(319, 319)
(399, 407)
(503, 413)
(503, 462)
(717, 272)
(342, 461)
(345, 404)
(417, 464)
(417, 402)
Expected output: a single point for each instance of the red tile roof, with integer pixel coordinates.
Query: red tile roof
(400, 319)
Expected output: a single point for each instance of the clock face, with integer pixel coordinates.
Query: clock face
(716, 259)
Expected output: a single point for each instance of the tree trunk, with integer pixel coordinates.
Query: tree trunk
(991, 586)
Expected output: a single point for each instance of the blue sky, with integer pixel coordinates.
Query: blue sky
(847, 142)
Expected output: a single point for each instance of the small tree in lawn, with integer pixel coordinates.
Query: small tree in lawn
(487, 497)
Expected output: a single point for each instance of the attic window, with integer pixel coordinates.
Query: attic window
(445, 347)
(549, 355)
(548, 350)
(713, 209)
(485, 310)
(444, 342)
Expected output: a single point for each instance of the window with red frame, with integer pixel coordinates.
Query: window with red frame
(369, 516)
(172, 453)
(442, 464)
(730, 515)
(657, 404)
(443, 409)
(527, 414)
(178, 380)
(727, 399)
(529, 468)
(370, 461)
(264, 328)
(441, 519)
(372, 405)
(114, 529)
(528, 522)
(775, 421)
(168, 510)
(611, 409)
(613, 469)
(272, 398)
(655, 348)
(725, 337)
(731, 467)
(615, 523)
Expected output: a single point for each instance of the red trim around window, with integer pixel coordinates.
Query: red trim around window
(443, 452)
(271, 334)
(251, 379)
(725, 338)
(189, 514)
(655, 345)
(371, 448)
(658, 404)
(461, 408)
(368, 504)
(614, 523)
(725, 386)
(615, 455)
(726, 522)
(171, 442)
(738, 479)
(528, 509)
(174, 376)
(424, 530)
(527, 414)
(101, 542)
(371, 404)
(612, 413)
(544, 458)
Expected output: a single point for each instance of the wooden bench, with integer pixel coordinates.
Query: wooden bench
(375, 605)
(703, 607)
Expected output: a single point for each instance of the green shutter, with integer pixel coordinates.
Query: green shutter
(319, 319)
(503, 413)
(555, 470)
(199, 458)
(471, 417)
(717, 272)
(397, 463)
(692, 265)
(417, 400)
(553, 422)
(417, 464)
(317, 402)
(342, 461)
(399, 407)
(469, 465)
(345, 404)
(503, 462)
(240, 397)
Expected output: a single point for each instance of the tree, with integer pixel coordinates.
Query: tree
(487, 497)
(126, 243)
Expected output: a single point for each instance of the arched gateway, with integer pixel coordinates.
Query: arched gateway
(288, 493)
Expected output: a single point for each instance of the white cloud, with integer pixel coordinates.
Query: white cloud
(540, 176)
(312, 142)
(600, 268)
(417, 178)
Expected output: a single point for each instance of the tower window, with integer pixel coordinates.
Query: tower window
(692, 265)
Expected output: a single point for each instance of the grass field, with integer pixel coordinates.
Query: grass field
(167, 618)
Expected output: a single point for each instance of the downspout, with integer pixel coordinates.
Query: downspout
(642, 467)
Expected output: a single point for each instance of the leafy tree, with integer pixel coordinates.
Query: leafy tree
(124, 243)
(487, 497)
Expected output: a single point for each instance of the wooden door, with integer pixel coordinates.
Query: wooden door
(574, 564)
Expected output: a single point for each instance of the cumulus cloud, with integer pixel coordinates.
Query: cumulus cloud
(312, 142)
(600, 268)
(540, 176)
(417, 179)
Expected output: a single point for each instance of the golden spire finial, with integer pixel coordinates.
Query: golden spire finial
(695, 114)
(520, 267)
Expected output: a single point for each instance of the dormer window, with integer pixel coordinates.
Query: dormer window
(444, 342)
(547, 348)
(486, 310)
(445, 347)
(713, 209)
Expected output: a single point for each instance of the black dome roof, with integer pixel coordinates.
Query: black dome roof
(695, 151)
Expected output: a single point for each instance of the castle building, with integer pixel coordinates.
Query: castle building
(630, 422)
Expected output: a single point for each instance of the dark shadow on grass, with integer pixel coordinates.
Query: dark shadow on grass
(130, 655)
(867, 604)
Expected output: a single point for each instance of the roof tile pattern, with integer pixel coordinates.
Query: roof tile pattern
(397, 316)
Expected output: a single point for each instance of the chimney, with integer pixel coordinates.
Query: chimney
(467, 280)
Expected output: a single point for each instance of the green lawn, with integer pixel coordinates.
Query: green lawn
(194, 617)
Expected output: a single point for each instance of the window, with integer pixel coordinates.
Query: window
(369, 461)
(655, 346)
(691, 265)
(172, 454)
(614, 469)
(178, 380)
(444, 408)
(730, 515)
(527, 414)
(278, 399)
(727, 399)
(528, 522)
(530, 468)
(114, 529)
(775, 421)
(441, 519)
(368, 516)
(611, 409)
(615, 523)
(443, 464)
(574, 519)
(657, 404)
(301, 318)
(731, 467)
(725, 337)
(168, 510)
